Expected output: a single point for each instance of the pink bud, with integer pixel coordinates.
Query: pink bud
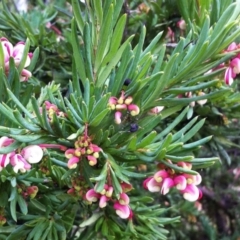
(103, 201)
(160, 175)
(32, 153)
(235, 64)
(121, 99)
(181, 24)
(92, 196)
(134, 109)
(156, 110)
(92, 160)
(109, 191)
(126, 187)
(123, 211)
(185, 165)
(72, 162)
(124, 199)
(32, 191)
(70, 153)
(128, 100)
(112, 102)
(233, 46)
(118, 117)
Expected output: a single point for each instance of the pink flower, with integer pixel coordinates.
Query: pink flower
(160, 175)
(92, 196)
(232, 47)
(92, 160)
(191, 193)
(5, 159)
(126, 187)
(123, 211)
(124, 199)
(103, 201)
(72, 162)
(32, 153)
(167, 184)
(118, 117)
(16, 53)
(180, 182)
(134, 109)
(181, 24)
(155, 110)
(151, 185)
(232, 71)
(5, 141)
(19, 163)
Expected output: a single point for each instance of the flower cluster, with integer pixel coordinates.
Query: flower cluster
(121, 104)
(200, 102)
(166, 178)
(83, 148)
(121, 204)
(234, 64)
(51, 109)
(79, 187)
(15, 52)
(20, 160)
(28, 191)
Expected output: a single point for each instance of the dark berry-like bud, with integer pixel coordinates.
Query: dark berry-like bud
(127, 82)
(133, 127)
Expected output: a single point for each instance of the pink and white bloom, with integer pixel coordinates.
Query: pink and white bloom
(160, 175)
(5, 159)
(118, 116)
(123, 211)
(134, 109)
(180, 182)
(92, 196)
(72, 162)
(124, 199)
(19, 163)
(92, 160)
(181, 24)
(152, 185)
(155, 110)
(191, 193)
(5, 141)
(32, 153)
(16, 52)
(167, 184)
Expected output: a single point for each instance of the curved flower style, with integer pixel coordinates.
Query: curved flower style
(15, 52)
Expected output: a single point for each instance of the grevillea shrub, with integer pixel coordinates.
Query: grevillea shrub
(94, 129)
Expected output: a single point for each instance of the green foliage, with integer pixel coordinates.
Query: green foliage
(66, 106)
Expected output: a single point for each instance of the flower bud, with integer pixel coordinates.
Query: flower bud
(32, 153)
